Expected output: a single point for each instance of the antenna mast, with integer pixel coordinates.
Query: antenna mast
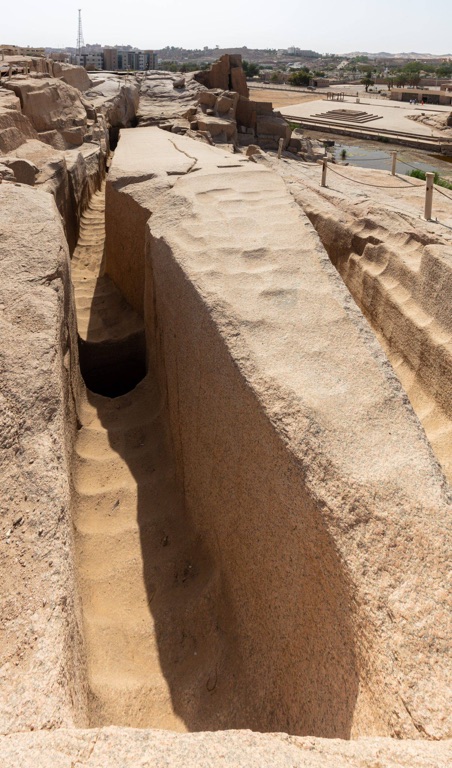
(80, 41)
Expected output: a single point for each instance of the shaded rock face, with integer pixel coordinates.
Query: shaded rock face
(226, 74)
(24, 171)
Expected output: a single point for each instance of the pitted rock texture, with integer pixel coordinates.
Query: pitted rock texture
(337, 624)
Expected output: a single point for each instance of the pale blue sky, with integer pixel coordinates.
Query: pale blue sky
(327, 26)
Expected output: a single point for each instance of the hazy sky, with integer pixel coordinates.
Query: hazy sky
(327, 26)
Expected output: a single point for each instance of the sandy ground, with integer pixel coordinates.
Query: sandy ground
(282, 98)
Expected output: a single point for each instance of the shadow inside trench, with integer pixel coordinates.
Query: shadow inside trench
(211, 650)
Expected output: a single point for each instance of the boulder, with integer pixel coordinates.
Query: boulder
(273, 127)
(6, 173)
(220, 129)
(75, 76)
(15, 129)
(224, 104)
(49, 104)
(208, 98)
(24, 171)
(253, 149)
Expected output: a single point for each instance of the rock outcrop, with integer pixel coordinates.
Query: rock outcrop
(75, 76)
(337, 624)
(42, 667)
(54, 136)
(289, 501)
(119, 747)
(164, 97)
(226, 74)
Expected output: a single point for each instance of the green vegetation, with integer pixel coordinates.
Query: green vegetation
(277, 77)
(368, 79)
(301, 77)
(416, 173)
(176, 66)
(250, 69)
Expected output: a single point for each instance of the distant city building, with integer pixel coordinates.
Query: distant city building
(92, 60)
(118, 59)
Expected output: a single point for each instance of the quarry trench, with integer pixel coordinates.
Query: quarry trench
(384, 276)
(159, 632)
(132, 546)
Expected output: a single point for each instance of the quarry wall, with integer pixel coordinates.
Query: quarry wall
(42, 647)
(401, 278)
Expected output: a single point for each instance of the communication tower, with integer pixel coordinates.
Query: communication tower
(80, 41)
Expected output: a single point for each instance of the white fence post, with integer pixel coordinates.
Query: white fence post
(394, 163)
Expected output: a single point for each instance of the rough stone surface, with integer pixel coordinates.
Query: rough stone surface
(49, 103)
(15, 129)
(160, 100)
(24, 171)
(120, 747)
(399, 271)
(226, 74)
(42, 670)
(75, 76)
(339, 627)
(219, 128)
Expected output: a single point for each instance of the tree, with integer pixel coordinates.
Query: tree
(444, 70)
(414, 79)
(250, 69)
(367, 79)
(302, 77)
